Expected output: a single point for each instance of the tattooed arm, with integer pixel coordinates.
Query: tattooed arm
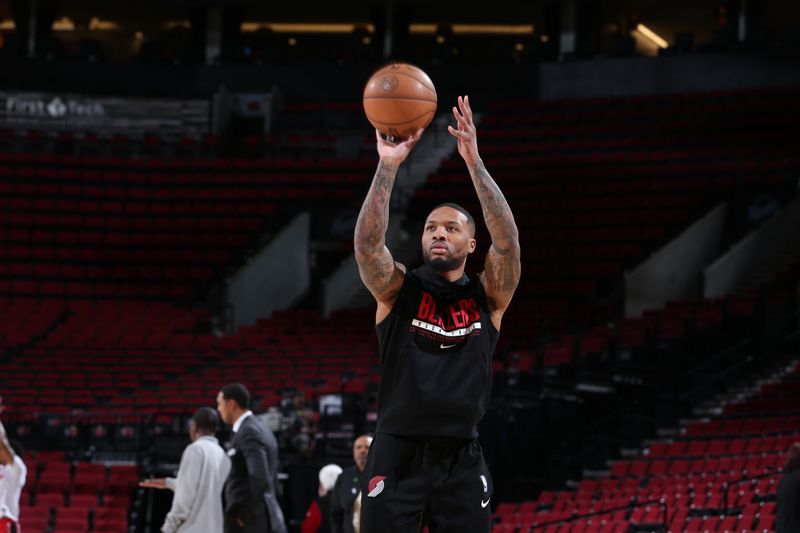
(378, 269)
(502, 267)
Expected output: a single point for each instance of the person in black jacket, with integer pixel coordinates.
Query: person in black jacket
(437, 329)
(249, 496)
(788, 494)
(347, 487)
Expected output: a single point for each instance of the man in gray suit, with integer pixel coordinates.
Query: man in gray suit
(249, 496)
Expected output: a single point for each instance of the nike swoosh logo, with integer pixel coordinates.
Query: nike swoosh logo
(485, 503)
(446, 346)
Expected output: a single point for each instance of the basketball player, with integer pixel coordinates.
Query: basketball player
(437, 330)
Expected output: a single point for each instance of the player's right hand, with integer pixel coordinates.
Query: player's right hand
(396, 152)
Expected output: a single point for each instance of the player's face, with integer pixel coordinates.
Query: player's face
(360, 451)
(447, 239)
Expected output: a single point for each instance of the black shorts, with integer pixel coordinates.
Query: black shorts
(410, 482)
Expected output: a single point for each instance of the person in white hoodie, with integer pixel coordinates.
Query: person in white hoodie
(197, 504)
(12, 478)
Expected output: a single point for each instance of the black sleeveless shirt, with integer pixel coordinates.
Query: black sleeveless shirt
(436, 350)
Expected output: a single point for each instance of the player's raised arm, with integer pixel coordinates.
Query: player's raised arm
(378, 269)
(502, 267)
(6, 451)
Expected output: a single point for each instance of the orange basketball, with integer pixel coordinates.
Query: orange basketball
(399, 99)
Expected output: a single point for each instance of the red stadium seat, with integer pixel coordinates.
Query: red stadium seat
(49, 499)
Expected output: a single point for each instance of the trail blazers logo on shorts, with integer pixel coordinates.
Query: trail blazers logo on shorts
(375, 486)
(449, 325)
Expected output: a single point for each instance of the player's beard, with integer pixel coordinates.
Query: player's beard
(443, 264)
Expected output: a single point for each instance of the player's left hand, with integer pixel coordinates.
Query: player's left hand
(466, 134)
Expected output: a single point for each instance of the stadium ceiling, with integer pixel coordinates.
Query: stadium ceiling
(441, 11)
(668, 18)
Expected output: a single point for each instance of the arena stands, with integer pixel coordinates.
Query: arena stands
(715, 474)
(107, 261)
(598, 185)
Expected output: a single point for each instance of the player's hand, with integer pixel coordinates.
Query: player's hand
(465, 133)
(396, 152)
(154, 483)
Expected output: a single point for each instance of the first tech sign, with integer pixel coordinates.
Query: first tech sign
(39, 109)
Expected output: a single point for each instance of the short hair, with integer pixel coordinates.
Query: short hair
(792, 458)
(328, 475)
(367, 436)
(238, 393)
(206, 420)
(453, 205)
